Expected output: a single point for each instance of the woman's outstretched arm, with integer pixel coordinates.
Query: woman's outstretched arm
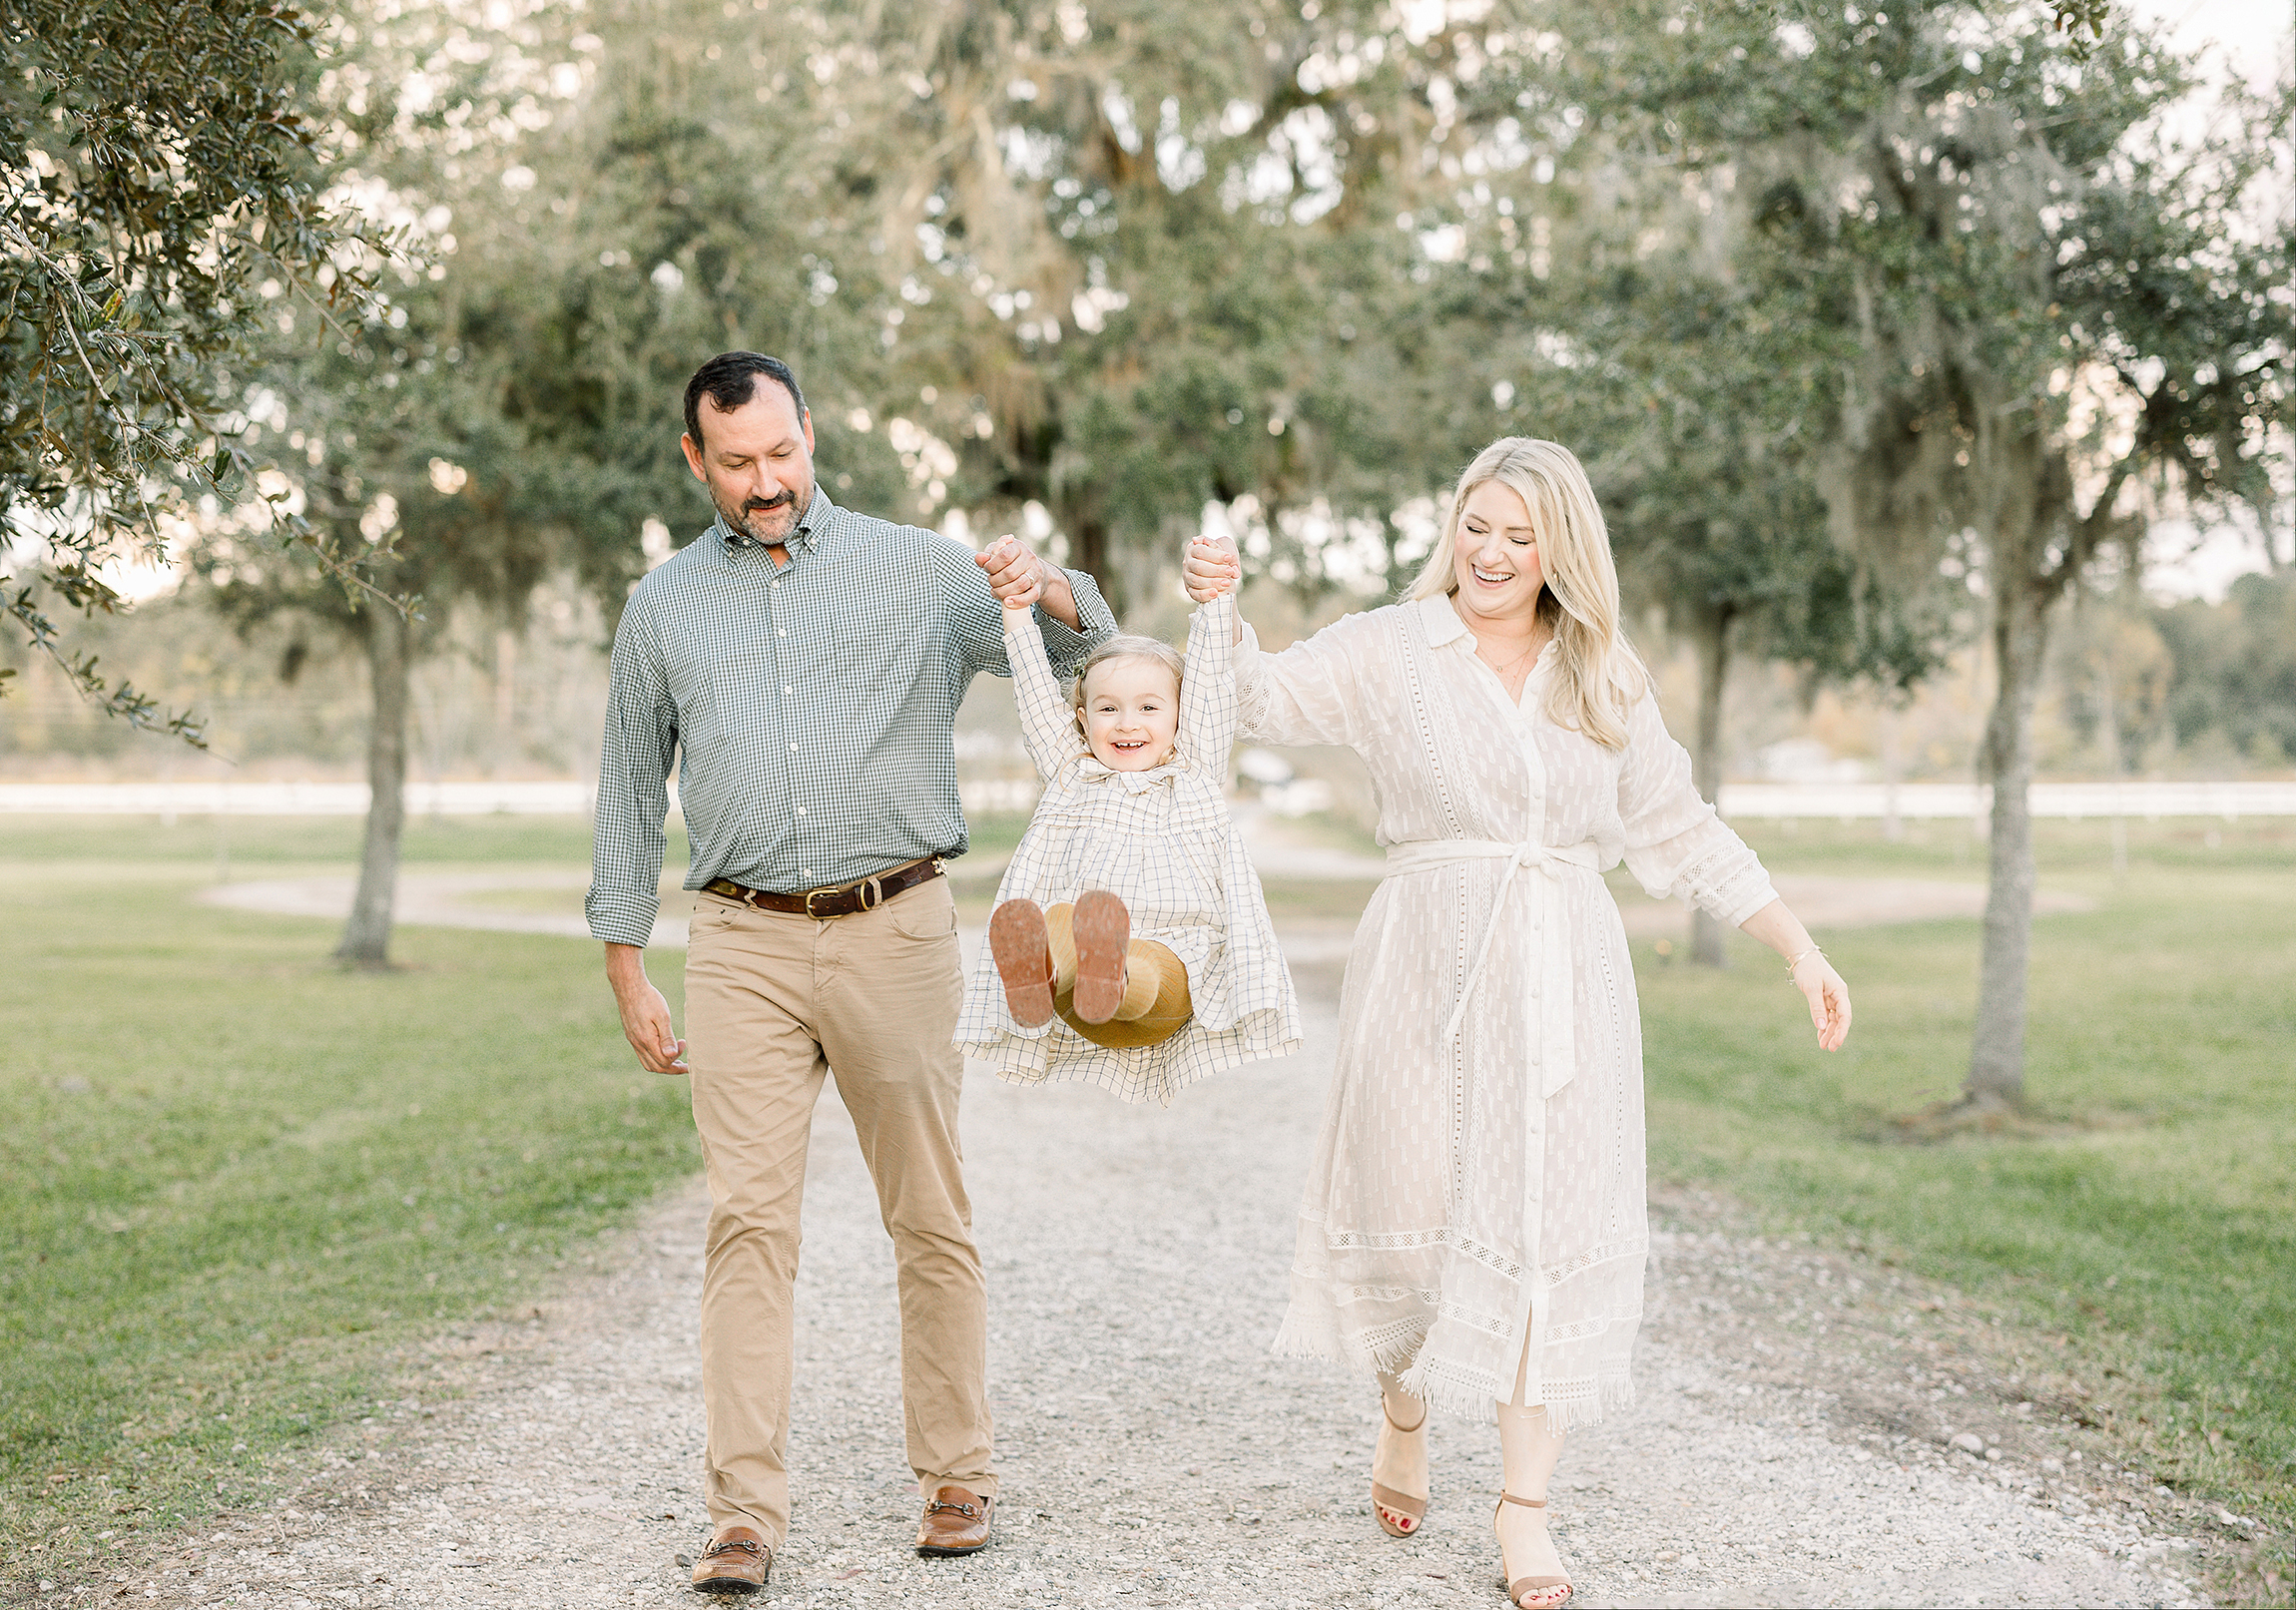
(1310, 693)
(1806, 964)
(1678, 846)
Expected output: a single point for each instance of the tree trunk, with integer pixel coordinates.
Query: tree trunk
(1892, 769)
(2109, 725)
(1089, 553)
(366, 938)
(1710, 631)
(2020, 634)
(505, 698)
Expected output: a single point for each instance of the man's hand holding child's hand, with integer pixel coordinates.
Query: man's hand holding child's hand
(1016, 575)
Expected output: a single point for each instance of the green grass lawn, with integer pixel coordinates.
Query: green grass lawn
(2147, 1210)
(236, 1185)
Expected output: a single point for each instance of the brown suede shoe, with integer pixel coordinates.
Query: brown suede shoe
(955, 1522)
(1024, 962)
(738, 1562)
(1102, 929)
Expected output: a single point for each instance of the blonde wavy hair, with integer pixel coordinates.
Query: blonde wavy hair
(1124, 646)
(1601, 675)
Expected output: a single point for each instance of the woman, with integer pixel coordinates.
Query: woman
(1485, 1113)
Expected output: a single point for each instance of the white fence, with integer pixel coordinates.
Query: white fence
(1754, 800)
(1850, 802)
(288, 798)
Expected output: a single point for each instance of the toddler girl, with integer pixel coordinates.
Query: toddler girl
(1130, 946)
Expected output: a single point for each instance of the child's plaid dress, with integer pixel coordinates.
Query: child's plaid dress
(1163, 842)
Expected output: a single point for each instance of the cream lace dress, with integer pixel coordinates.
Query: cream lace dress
(1485, 1117)
(1161, 839)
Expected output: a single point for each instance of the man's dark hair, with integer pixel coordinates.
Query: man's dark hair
(730, 379)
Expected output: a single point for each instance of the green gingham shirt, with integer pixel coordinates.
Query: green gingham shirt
(810, 708)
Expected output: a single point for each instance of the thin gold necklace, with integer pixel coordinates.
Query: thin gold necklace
(1500, 670)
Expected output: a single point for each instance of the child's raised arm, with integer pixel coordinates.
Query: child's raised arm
(1047, 724)
(1208, 690)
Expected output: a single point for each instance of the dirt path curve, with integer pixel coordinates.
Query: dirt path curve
(1791, 1445)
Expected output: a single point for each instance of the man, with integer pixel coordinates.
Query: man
(807, 661)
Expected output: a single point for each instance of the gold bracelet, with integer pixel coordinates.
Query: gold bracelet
(1814, 951)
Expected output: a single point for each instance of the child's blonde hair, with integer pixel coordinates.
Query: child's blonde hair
(1123, 646)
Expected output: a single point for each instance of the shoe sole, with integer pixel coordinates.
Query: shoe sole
(1103, 930)
(1016, 938)
(726, 1587)
(933, 1552)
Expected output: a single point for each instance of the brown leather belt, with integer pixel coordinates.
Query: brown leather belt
(840, 901)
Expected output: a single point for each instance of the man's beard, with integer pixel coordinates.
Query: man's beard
(769, 522)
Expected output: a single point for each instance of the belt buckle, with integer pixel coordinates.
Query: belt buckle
(869, 891)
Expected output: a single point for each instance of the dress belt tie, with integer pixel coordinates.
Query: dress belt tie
(1555, 1019)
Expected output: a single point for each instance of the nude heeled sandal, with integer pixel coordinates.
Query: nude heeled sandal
(1528, 1584)
(1403, 1503)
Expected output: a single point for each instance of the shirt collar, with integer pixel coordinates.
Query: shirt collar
(1091, 769)
(1445, 626)
(805, 538)
(1440, 618)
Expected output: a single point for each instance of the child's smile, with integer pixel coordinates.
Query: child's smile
(1131, 712)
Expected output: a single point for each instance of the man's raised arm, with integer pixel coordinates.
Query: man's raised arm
(1066, 606)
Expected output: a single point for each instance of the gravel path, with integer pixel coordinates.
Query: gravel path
(1792, 1445)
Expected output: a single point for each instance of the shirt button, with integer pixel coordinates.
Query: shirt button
(801, 810)
(787, 688)
(780, 631)
(793, 747)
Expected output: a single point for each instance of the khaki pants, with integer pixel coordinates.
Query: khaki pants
(773, 1002)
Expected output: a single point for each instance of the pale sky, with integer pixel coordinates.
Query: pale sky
(2256, 38)
(2254, 34)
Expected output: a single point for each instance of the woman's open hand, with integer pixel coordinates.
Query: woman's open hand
(1829, 998)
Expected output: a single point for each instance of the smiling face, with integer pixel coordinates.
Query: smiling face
(758, 462)
(1495, 557)
(1131, 712)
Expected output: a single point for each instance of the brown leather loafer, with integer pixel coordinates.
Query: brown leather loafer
(955, 1522)
(738, 1562)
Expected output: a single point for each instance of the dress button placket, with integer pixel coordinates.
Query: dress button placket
(1534, 1306)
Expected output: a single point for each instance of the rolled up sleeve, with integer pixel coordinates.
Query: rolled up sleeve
(1096, 624)
(978, 621)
